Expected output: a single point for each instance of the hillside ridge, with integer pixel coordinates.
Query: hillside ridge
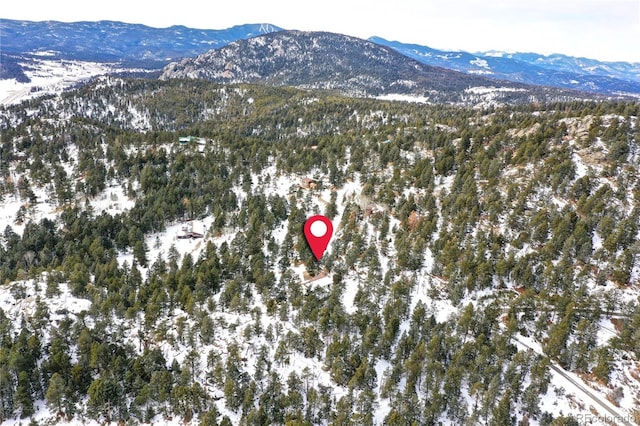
(345, 64)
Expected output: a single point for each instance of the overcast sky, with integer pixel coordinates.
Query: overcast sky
(601, 29)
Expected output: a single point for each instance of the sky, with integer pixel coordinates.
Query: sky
(607, 30)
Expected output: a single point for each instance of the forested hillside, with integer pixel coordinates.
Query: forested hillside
(480, 257)
(349, 66)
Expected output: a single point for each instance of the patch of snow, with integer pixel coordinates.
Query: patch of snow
(481, 90)
(44, 53)
(49, 76)
(20, 298)
(404, 98)
(112, 200)
(482, 63)
(580, 166)
(12, 204)
(480, 72)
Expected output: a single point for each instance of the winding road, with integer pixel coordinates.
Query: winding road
(15, 96)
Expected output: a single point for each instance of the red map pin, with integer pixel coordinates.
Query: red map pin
(318, 230)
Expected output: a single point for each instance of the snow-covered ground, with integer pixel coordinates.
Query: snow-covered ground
(568, 394)
(483, 90)
(404, 98)
(50, 76)
(16, 212)
(20, 300)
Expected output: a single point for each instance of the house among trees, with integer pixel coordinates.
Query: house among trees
(308, 183)
(371, 209)
(187, 139)
(188, 233)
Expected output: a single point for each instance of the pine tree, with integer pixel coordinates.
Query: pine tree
(140, 252)
(602, 369)
(55, 392)
(23, 397)
(501, 415)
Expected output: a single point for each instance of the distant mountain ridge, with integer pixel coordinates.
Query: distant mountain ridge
(24, 43)
(556, 61)
(117, 41)
(349, 65)
(555, 70)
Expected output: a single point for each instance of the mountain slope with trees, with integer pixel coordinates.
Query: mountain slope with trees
(459, 233)
(347, 65)
(112, 41)
(134, 46)
(562, 71)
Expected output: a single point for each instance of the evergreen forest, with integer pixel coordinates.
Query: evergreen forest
(479, 255)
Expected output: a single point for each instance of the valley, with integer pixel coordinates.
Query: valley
(50, 77)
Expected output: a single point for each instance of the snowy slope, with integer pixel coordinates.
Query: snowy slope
(48, 77)
(261, 332)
